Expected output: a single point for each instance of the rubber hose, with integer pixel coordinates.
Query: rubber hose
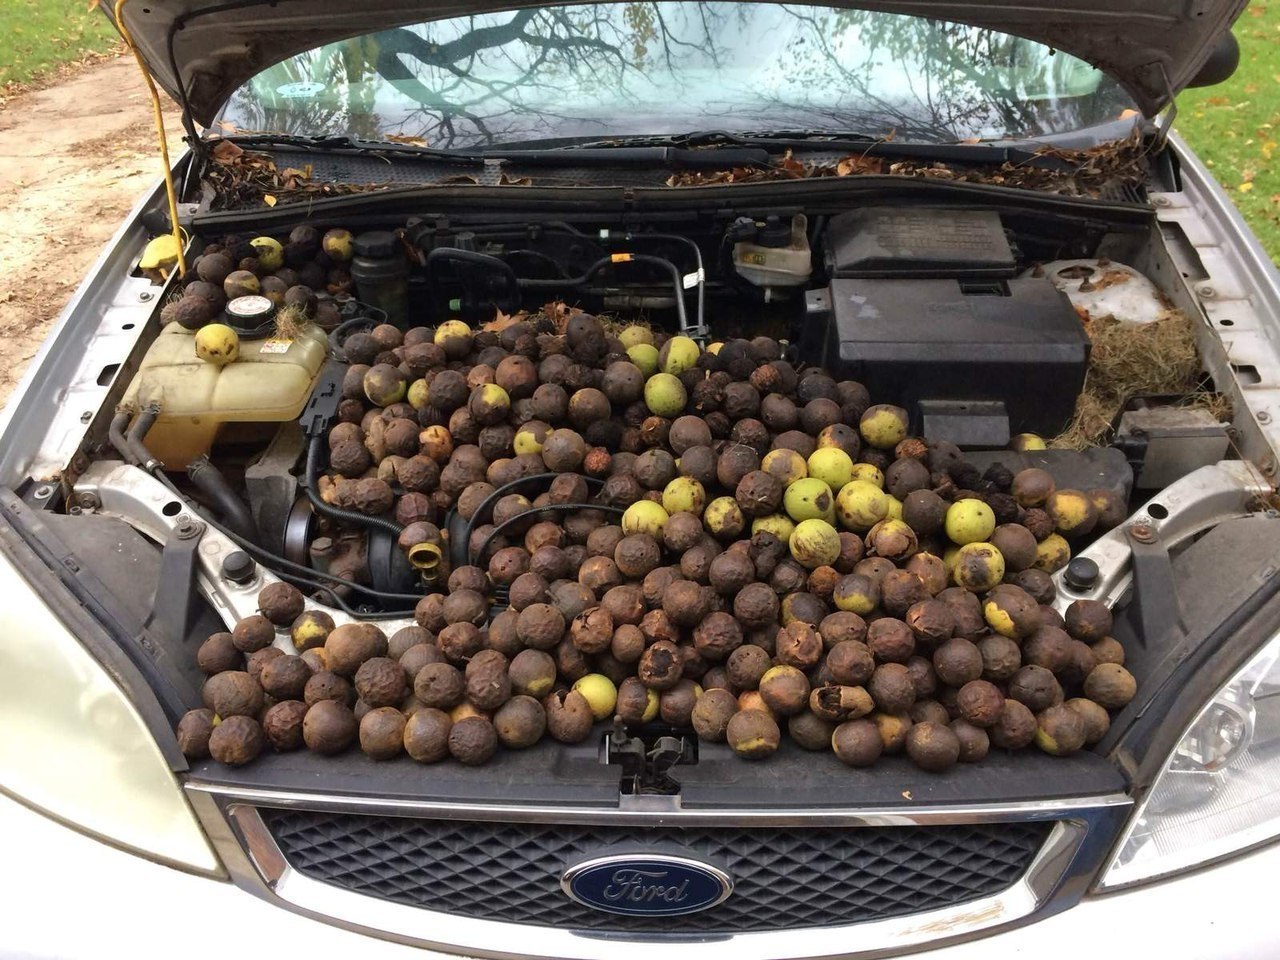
(581, 281)
(472, 258)
(337, 334)
(234, 512)
(115, 433)
(299, 572)
(137, 435)
(328, 509)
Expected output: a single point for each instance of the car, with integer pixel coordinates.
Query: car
(623, 337)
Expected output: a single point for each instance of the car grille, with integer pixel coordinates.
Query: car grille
(785, 878)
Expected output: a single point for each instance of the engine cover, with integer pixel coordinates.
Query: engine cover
(1018, 342)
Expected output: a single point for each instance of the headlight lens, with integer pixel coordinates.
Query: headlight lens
(73, 745)
(1219, 792)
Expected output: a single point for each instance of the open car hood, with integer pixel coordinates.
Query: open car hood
(201, 51)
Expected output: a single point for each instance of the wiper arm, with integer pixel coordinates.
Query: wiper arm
(583, 156)
(719, 139)
(635, 156)
(345, 144)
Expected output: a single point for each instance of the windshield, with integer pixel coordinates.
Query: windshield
(599, 71)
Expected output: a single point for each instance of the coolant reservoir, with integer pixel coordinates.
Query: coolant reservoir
(269, 383)
(776, 261)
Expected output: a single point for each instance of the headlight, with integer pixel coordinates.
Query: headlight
(1219, 793)
(74, 747)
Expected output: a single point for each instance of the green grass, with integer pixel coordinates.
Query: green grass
(1235, 127)
(39, 36)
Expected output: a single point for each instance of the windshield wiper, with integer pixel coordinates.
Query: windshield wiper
(719, 139)
(345, 144)
(696, 150)
(673, 157)
(971, 151)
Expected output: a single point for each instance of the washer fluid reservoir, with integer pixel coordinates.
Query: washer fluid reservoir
(268, 384)
(778, 256)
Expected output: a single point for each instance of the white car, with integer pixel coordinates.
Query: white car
(388, 218)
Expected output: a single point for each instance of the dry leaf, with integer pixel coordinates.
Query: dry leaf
(1106, 168)
(502, 320)
(859, 164)
(225, 151)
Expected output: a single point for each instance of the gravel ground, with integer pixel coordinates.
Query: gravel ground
(75, 158)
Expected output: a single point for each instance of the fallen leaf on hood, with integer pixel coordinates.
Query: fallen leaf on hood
(502, 320)
(1094, 172)
(559, 312)
(225, 151)
(860, 164)
(790, 165)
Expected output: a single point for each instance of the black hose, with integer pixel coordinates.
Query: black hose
(115, 433)
(483, 513)
(137, 435)
(472, 258)
(234, 512)
(328, 509)
(307, 574)
(337, 336)
(298, 572)
(545, 508)
(581, 281)
(155, 469)
(540, 257)
(562, 226)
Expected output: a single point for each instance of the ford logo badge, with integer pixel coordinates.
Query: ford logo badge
(646, 885)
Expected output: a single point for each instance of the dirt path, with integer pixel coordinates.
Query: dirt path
(74, 158)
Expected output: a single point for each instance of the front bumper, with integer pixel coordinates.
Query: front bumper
(67, 895)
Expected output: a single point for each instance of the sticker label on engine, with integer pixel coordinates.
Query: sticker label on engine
(275, 345)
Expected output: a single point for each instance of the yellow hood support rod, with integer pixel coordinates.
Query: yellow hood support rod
(158, 116)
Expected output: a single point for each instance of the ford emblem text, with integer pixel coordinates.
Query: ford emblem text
(646, 885)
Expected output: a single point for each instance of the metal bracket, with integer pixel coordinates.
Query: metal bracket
(1196, 502)
(647, 770)
(176, 603)
(144, 503)
(1155, 606)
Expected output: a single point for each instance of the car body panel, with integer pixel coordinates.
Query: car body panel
(1219, 911)
(201, 51)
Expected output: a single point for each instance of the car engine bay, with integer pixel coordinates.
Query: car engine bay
(930, 308)
(389, 413)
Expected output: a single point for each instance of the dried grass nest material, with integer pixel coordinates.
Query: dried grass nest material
(1130, 359)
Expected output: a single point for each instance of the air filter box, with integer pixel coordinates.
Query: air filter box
(1015, 341)
(918, 242)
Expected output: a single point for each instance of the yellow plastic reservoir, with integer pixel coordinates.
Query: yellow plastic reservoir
(269, 383)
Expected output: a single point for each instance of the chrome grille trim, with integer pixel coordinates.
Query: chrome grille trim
(1058, 876)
